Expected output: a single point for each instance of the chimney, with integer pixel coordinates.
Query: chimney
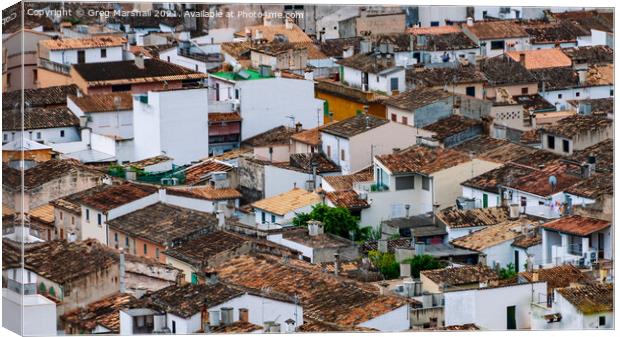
(298, 127)
(383, 288)
(214, 317)
(288, 24)
(315, 228)
(535, 276)
(470, 22)
(244, 315)
(583, 75)
(592, 161)
(522, 59)
(139, 61)
(121, 272)
(258, 34)
(221, 219)
(227, 316)
(336, 263)
(407, 207)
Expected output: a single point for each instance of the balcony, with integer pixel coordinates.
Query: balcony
(27, 288)
(55, 67)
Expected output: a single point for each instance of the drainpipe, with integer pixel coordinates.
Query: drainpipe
(121, 273)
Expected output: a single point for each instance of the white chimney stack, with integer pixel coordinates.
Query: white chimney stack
(139, 61)
(470, 21)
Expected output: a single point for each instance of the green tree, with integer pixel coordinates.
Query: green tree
(508, 272)
(386, 263)
(336, 220)
(423, 262)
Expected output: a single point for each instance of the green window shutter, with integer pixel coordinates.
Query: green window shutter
(341, 71)
(326, 108)
(194, 278)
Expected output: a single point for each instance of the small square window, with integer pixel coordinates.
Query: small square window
(404, 119)
(577, 94)
(104, 53)
(38, 135)
(559, 95)
(273, 218)
(342, 156)
(426, 183)
(87, 215)
(394, 118)
(602, 321)
(565, 146)
(99, 219)
(62, 133)
(145, 249)
(524, 91)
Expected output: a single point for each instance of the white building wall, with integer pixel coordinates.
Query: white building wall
(262, 309)
(493, 198)
(305, 250)
(279, 180)
(336, 146)
(47, 136)
(28, 315)
(455, 233)
(487, 307)
(501, 254)
(126, 323)
(559, 98)
(91, 55)
(438, 14)
(393, 321)
(184, 325)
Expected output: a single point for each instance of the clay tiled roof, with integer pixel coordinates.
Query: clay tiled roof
(455, 276)
(335, 47)
(310, 137)
(163, 223)
(353, 126)
(280, 135)
(39, 97)
(590, 54)
(590, 299)
(392, 245)
(537, 158)
(104, 102)
(118, 72)
(43, 213)
(205, 192)
(602, 74)
(353, 94)
(577, 225)
(542, 58)
(587, 20)
(288, 201)
(439, 30)
(490, 181)
(325, 240)
(603, 152)
(492, 236)
(491, 30)
(422, 159)
(527, 241)
(45, 172)
(578, 124)
(93, 42)
(451, 126)
(39, 118)
(537, 182)
(141, 164)
(189, 299)
(441, 76)
(104, 312)
(552, 33)
(345, 182)
(304, 162)
(270, 33)
(108, 197)
(455, 218)
(503, 70)
(195, 174)
(416, 98)
(597, 106)
(593, 187)
(276, 48)
(152, 51)
(373, 63)
(559, 277)
(324, 297)
(347, 199)
(199, 249)
(237, 327)
(61, 261)
(216, 117)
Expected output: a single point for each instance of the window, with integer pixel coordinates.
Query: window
(5, 137)
(99, 219)
(157, 253)
(470, 91)
(72, 220)
(145, 249)
(394, 118)
(81, 56)
(87, 215)
(559, 96)
(394, 83)
(196, 67)
(329, 151)
(434, 23)
(121, 87)
(577, 94)
(565, 145)
(38, 135)
(35, 75)
(611, 92)
(342, 156)
(263, 217)
(126, 241)
(426, 183)
(60, 215)
(405, 183)
(104, 53)
(404, 119)
(236, 93)
(601, 321)
(497, 45)
(524, 91)
(174, 326)
(551, 142)
(62, 133)
(168, 58)
(8, 79)
(273, 218)
(115, 237)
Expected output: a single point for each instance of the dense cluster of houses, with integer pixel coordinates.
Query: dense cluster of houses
(154, 172)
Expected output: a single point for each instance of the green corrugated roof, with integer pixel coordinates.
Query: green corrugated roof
(232, 76)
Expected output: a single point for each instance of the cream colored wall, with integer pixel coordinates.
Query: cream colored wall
(184, 267)
(513, 90)
(447, 183)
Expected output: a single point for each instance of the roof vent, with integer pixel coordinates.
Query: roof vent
(139, 61)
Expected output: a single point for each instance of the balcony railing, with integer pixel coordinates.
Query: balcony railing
(28, 288)
(55, 67)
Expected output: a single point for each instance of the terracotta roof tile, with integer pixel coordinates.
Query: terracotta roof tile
(104, 102)
(288, 201)
(205, 192)
(439, 30)
(45, 172)
(353, 126)
(491, 181)
(373, 63)
(39, 118)
(493, 235)
(416, 98)
(578, 124)
(542, 58)
(104, 312)
(590, 299)
(603, 152)
(347, 199)
(195, 174)
(164, 223)
(237, 327)
(451, 126)
(279, 135)
(335, 47)
(39, 97)
(324, 297)
(594, 187)
(455, 218)
(502, 29)
(345, 182)
(577, 225)
(224, 117)
(198, 249)
(304, 162)
(422, 159)
(503, 70)
(108, 197)
(441, 76)
(310, 137)
(590, 54)
(43, 213)
(92, 42)
(559, 276)
(455, 276)
(537, 182)
(271, 32)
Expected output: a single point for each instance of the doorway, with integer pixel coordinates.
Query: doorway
(511, 317)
